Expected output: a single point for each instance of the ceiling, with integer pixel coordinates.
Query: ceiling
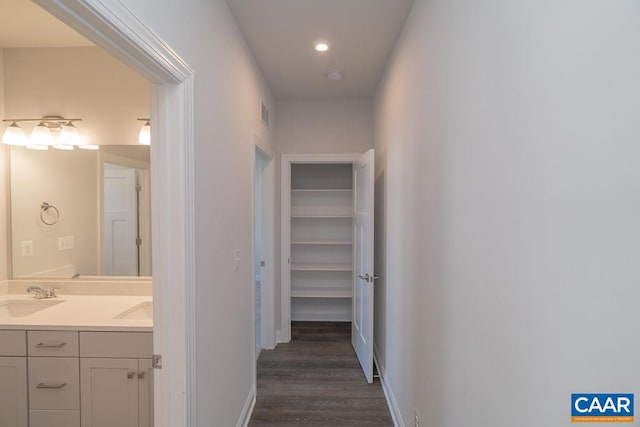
(281, 35)
(24, 24)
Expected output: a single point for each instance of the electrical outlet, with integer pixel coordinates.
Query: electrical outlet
(417, 416)
(236, 260)
(27, 248)
(65, 243)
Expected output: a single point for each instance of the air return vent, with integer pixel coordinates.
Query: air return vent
(264, 114)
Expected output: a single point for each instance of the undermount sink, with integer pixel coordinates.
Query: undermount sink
(21, 307)
(144, 310)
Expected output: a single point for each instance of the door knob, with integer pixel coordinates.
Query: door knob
(367, 278)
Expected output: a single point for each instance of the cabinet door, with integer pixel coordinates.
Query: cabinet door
(13, 392)
(145, 392)
(109, 392)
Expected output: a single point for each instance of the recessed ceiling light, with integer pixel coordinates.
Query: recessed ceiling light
(321, 47)
(334, 75)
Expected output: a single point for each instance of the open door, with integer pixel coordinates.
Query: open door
(363, 278)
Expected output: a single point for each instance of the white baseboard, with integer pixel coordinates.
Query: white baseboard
(247, 410)
(388, 391)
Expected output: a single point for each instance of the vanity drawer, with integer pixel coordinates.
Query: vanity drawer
(13, 343)
(52, 343)
(137, 345)
(54, 383)
(54, 418)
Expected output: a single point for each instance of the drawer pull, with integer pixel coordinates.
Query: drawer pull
(51, 344)
(52, 384)
(140, 375)
(130, 375)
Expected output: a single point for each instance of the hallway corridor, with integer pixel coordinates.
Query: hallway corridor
(316, 380)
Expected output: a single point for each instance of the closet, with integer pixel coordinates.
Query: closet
(321, 246)
(326, 224)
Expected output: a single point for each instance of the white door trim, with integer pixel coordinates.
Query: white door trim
(267, 305)
(285, 227)
(110, 25)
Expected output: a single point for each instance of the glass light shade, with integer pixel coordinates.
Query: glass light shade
(63, 147)
(14, 135)
(41, 147)
(144, 137)
(40, 135)
(89, 147)
(69, 135)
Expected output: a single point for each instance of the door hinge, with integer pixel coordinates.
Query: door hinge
(156, 361)
(138, 241)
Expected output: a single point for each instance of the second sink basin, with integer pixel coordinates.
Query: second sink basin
(144, 310)
(21, 307)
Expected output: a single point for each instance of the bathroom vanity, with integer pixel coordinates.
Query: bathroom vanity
(80, 359)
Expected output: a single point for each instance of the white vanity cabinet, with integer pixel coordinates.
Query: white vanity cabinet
(13, 379)
(54, 383)
(116, 379)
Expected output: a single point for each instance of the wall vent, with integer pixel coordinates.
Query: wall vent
(264, 114)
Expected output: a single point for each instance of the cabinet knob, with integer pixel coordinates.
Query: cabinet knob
(140, 375)
(130, 375)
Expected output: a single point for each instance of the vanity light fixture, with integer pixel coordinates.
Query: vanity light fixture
(55, 131)
(144, 136)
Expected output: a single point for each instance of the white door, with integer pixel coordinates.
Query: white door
(362, 324)
(120, 253)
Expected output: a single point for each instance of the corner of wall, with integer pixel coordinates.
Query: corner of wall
(4, 188)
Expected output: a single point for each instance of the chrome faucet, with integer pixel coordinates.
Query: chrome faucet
(43, 293)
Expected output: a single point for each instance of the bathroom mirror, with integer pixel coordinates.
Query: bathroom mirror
(80, 213)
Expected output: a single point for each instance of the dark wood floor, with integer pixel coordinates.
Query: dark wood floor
(316, 380)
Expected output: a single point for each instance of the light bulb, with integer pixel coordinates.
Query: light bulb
(321, 47)
(144, 137)
(14, 135)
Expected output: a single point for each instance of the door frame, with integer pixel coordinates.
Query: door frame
(113, 27)
(284, 334)
(267, 300)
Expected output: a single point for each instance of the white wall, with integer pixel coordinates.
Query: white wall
(4, 187)
(324, 126)
(69, 180)
(508, 141)
(80, 82)
(228, 88)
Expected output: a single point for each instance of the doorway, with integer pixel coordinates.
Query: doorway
(119, 32)
(263, 247)
(126, 234)
(327, 245)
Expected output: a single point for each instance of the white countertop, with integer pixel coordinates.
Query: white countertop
(80, 312)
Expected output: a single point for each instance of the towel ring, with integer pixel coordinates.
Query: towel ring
(54, 213)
